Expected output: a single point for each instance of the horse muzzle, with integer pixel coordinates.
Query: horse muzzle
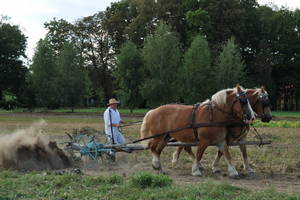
(266, 118)
(248, 118)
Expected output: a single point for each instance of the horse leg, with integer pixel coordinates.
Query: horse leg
(156, 149)
(215, 167)
(231, 169)
(175, 155)
(247, 167)
(179, 150)
(196, 164)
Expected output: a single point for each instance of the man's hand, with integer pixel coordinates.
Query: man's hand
(116, 125)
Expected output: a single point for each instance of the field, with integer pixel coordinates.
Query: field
(277, 167)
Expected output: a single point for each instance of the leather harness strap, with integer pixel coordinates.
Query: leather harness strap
(210, 107)
(195, 107)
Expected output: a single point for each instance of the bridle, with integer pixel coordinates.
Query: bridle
(241, 97)
(265, 102)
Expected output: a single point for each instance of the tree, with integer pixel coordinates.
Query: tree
(198, 22)
(12, 49)
(162, 56)
(129, 75)
(73, 79)
(197, 73)
(95, 46)
(44, 77)
(117, 18)
(59, 32)
(229, 67)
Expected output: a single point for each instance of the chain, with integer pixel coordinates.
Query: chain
(257, 135)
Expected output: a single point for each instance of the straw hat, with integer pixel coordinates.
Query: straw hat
(113, 101)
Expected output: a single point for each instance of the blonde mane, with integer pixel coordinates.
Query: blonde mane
(258, 91)
(221, 96)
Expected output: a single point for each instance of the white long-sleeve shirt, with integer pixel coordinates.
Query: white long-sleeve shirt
(115, 118)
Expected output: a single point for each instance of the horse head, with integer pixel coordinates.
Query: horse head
(243, 108)
(259, 99)
(235, 103)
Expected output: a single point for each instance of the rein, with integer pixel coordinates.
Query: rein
(198, 125)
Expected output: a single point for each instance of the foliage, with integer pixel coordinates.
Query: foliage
(162, 55)
(96, 49)
(129, 75)
(230, 69)
(147, 179)
(266, 48)
(59, 32)
(45, 76)
(93, 43)
(12, 54)
(196, 69)
(73, 79)
(198, 22)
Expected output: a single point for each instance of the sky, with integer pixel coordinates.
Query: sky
(31, 15)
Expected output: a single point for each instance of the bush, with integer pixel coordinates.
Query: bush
(147, 179)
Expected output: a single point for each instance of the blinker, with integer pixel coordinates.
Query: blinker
(242, 97)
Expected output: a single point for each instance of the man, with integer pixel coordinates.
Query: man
(112, 121)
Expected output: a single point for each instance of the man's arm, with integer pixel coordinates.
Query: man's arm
(107, 120)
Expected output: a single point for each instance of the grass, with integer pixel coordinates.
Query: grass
(124, 111)
(14, 185)
(286, 114)
(276, 124)
(57, 119)
(76, 110)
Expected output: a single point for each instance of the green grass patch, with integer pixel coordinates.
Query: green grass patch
(123, 111)
(38, 185)
(147, 179)
(76, 110)
(286, 114)
(277, 124)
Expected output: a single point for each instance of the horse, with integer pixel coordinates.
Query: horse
(259, 101)
(230, 106)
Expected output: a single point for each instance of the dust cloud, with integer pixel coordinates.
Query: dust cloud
(28, 149)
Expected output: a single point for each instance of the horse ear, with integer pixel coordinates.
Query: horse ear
(238, 87)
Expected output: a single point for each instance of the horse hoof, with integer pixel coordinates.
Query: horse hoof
(201, 168)
(174, 164)
(162, 173)
(197, 173)
(156, 168)
(216, 171)
(251, 173)
(234, 176)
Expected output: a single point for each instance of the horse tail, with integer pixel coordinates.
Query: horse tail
(145, 131)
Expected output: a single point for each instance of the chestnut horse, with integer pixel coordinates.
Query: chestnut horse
(259, 100)
(230, 105)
